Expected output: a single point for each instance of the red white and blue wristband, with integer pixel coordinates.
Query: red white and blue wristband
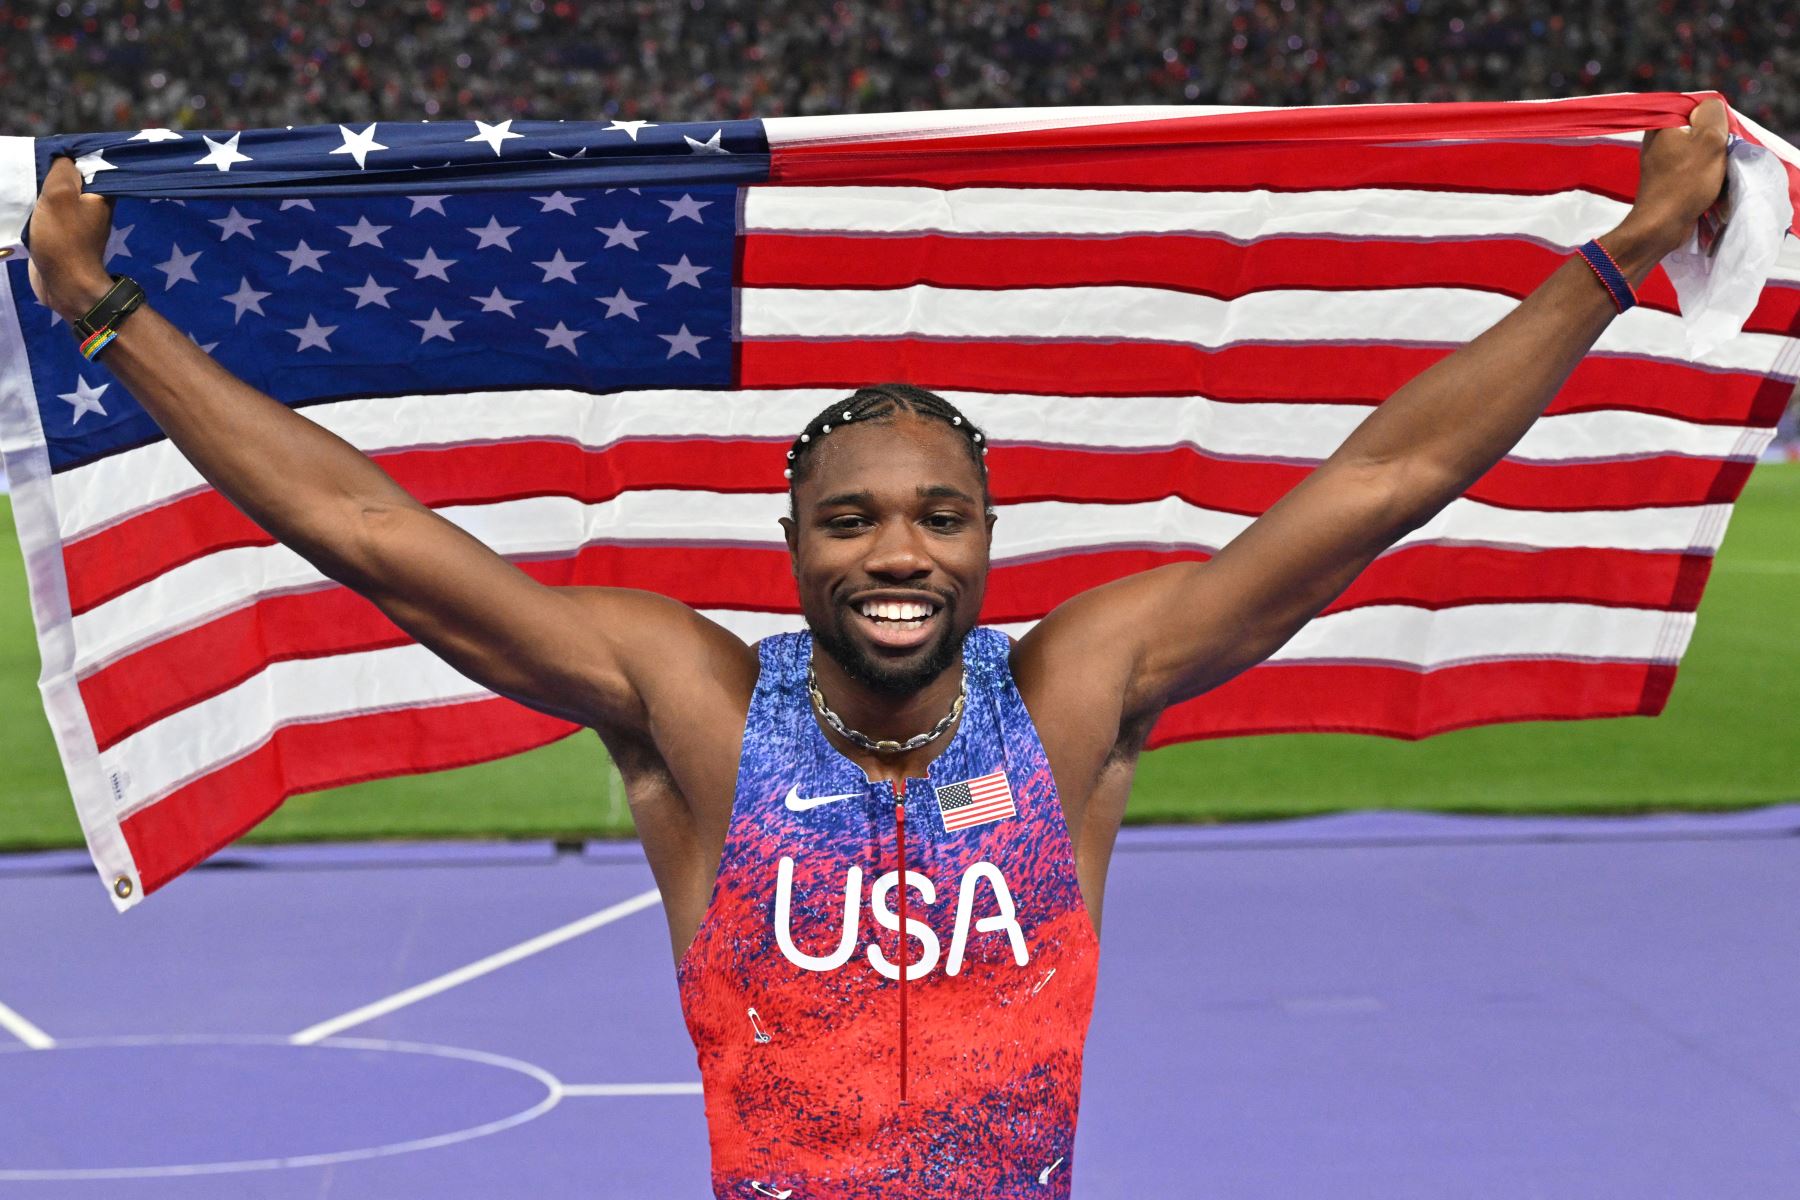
(1613, 279)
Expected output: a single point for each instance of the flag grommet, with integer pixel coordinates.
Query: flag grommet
(122, 887)
(6, 251)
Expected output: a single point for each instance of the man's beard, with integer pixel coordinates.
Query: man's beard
(892, 679)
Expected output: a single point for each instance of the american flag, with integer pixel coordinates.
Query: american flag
(976, 802)
(590, 342)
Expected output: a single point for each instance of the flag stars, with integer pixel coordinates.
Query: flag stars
(115, 243)
(92, 163)
(581, 153)
(178, 267)
(709, 146)
(303, 257)
(436, 326)
(431, 265)
(687, 207)
(297, 203)
(371, 292)
(234, 223)
(683, 272)
(559, 268)
(495, 302)
(222, 154)
(620, 235)
(313, 334)
(434, 203)
(84, 399)
(359, 145)
(364, 234)
(246, 299)
(156, 135)
(493, 234)
(564, 337)
(493, 135)
(557, 202)
(620, 305)
(629, 128)
(684, 342)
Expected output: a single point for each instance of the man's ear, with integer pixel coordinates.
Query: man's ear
(791, 532)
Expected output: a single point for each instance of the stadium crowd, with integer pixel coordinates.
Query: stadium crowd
(76, 65)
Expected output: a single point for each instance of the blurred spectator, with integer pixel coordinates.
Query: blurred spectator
(85, 65)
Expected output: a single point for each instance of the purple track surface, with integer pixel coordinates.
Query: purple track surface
(1375, 1005)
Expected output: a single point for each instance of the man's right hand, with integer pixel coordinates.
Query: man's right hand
(69, 230)
(1680, 174)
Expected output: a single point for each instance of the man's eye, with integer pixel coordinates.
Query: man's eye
(845, 524)
(945, 520)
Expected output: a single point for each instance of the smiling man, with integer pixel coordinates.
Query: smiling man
(896, 768)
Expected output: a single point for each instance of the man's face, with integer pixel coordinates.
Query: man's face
(890, 540)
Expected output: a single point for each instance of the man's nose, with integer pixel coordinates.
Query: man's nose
(898, 552)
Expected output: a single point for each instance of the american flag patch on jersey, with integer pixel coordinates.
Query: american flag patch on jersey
(975, 801)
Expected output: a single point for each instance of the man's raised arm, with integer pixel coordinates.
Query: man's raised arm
(547, 647)
(1171, 633)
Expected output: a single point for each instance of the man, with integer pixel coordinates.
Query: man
(967, 790)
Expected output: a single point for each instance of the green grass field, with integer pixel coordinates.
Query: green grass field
(1726, 740)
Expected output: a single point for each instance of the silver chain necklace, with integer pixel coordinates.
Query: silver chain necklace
(883, 745)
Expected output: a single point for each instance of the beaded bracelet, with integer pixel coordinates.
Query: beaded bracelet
(1611, 277)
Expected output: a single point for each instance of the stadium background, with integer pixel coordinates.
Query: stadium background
(1726, 738)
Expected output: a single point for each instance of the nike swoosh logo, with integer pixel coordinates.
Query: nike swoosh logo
(797, 803)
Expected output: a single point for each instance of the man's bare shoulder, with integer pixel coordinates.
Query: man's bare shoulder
(671, 652)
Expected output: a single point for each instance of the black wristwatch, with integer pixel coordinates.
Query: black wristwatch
(110, 311)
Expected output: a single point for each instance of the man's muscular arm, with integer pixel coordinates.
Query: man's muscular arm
(578, 653)
(1168, 634)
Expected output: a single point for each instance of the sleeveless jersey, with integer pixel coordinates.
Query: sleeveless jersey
(826, 1075)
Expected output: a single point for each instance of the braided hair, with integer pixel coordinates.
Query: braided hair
(883, 402)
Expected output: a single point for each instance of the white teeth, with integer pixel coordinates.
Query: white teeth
(896, 610)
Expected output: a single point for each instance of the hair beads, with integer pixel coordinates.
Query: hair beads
(877, 402)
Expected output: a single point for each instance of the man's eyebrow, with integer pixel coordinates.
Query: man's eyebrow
(926, 492)
(943, 491)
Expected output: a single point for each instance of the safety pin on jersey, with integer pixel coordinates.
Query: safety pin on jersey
(1044, 1175)
(763, 1191)
(761, 1037)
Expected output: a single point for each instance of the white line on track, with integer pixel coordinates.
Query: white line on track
(475, 970)
(630, 1089)
(24, 1030)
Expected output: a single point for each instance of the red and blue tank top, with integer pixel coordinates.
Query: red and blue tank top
(831, 1074)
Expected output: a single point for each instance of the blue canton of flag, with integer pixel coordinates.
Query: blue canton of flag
(406, 289)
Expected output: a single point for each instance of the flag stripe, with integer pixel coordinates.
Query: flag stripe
(1209, 266)
(1352, 698)
(169, 837)
(1134, 315)
(547, 526)
(1512, 167)
(1564, 220)
(201, 737)
(1353, 374)
(170, 674)
(133, 552)
(100, 494)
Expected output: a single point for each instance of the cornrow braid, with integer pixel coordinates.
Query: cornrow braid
(880, 402)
